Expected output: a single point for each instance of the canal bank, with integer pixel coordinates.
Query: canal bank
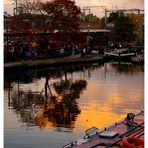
(51, 62)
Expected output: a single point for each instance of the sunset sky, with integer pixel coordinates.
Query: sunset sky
(111, 4)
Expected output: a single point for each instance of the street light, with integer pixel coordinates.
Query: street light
(15, 9)
(88, 36)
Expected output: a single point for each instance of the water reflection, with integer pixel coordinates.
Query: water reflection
(49, 97)
(127, 68)
(54, 106)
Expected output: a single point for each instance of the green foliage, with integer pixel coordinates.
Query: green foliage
(90, 18)
(124, 26)
(95, 19)
(103, 20)
(114, 16)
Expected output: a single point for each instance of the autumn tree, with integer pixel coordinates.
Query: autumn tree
(56, 21)
(24, 20)
(62, 16)
(19, 26)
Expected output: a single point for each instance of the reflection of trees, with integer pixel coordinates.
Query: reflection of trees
(128, 68)
(74, 89)
(66, 108)
(30, 75)
(24, 103)
(55, 106)
(62, 110)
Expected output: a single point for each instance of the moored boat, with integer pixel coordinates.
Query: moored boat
(113, 135)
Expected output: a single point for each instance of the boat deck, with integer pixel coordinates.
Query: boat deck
(112, 136)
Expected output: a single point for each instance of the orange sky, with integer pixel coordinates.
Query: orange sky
(111, 4)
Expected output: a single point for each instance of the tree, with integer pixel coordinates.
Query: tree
(124, 26)
(62, 14)
(114, 16)
(90, 18)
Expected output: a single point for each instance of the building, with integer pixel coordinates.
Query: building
(96, 34)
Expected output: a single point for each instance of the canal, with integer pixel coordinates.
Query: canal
(50, 107)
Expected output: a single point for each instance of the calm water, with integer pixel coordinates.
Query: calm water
(49, 108)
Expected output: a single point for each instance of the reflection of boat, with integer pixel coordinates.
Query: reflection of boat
(139, 58)
(113, 135)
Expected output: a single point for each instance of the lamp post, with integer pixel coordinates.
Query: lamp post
(15, 9)
(6, 19)
(15, 13)
(88, 45)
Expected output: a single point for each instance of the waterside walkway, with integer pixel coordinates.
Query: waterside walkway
(51, 62)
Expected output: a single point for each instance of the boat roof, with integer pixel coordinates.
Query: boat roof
(112, 135)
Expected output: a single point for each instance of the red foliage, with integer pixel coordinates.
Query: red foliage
(56, 15)
(69, 38)
(63, 14)
(19, 24)
(78, 37)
